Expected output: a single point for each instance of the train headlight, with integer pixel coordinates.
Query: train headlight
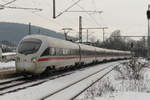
(34, 60)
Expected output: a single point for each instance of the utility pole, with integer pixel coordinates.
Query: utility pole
(144, 41)
(54, 9)
(39, 31)
(104, 33)
(80, 29)
(148, 17)
(87, 35)
(143, 52)
(29, 28)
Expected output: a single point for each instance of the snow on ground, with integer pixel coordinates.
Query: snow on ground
(4, 66)
(143, 60)
(7, 64)
(126, 96)
(120, 86)
(113, 87)
(36, 92)
(8, 53)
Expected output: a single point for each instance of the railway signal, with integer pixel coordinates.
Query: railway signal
(148, 12)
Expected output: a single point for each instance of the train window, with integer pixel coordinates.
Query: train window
(29, 46)
(57, 51)
(64, 51)
(71, 52)
(52, 51)
(61, 51)
(46, 52)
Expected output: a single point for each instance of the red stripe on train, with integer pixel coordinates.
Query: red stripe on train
(60, 58)
(56, 58)
(66, 58)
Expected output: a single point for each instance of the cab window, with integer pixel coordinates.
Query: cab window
(46, 52)
(29, 46)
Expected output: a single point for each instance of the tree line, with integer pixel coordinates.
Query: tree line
(116, 41)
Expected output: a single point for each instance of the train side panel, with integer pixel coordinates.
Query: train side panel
(88, 54)
(61, 54)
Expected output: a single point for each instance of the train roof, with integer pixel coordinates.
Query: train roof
(87, 47)
(54, 42)
(67, 44)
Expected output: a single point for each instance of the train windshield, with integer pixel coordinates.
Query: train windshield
(29, 46)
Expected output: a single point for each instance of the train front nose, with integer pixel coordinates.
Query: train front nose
(25, 65)
(27, 50)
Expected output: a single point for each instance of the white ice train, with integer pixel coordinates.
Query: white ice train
(36, 53)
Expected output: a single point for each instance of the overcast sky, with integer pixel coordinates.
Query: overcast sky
(127, 15)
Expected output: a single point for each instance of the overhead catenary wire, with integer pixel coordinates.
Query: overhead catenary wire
(47, 19)
(75, 3)
(3, 6)
(43, 17)
(9, 2)
(36, 14)
(29, 10)
(88, 14)
(21, 8)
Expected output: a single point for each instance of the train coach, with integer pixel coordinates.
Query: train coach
(37, 53)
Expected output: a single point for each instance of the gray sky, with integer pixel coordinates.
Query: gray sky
(127, 15)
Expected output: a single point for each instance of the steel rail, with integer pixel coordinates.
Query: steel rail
(43, 98)
(91, 84)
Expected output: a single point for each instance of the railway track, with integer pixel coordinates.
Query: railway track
(17, 82)
(6, 73)
(20, 83)
(73, 86)
(9, 80)
(14, 85)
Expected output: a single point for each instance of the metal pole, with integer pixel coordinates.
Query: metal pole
(65, 35)
(80, 29)
(87, 35)
(54, 9)
(39, 31)
(148, 40)
(103, 34)
(29, 29)
(143, 46)
(144, 41)
(148, 17)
